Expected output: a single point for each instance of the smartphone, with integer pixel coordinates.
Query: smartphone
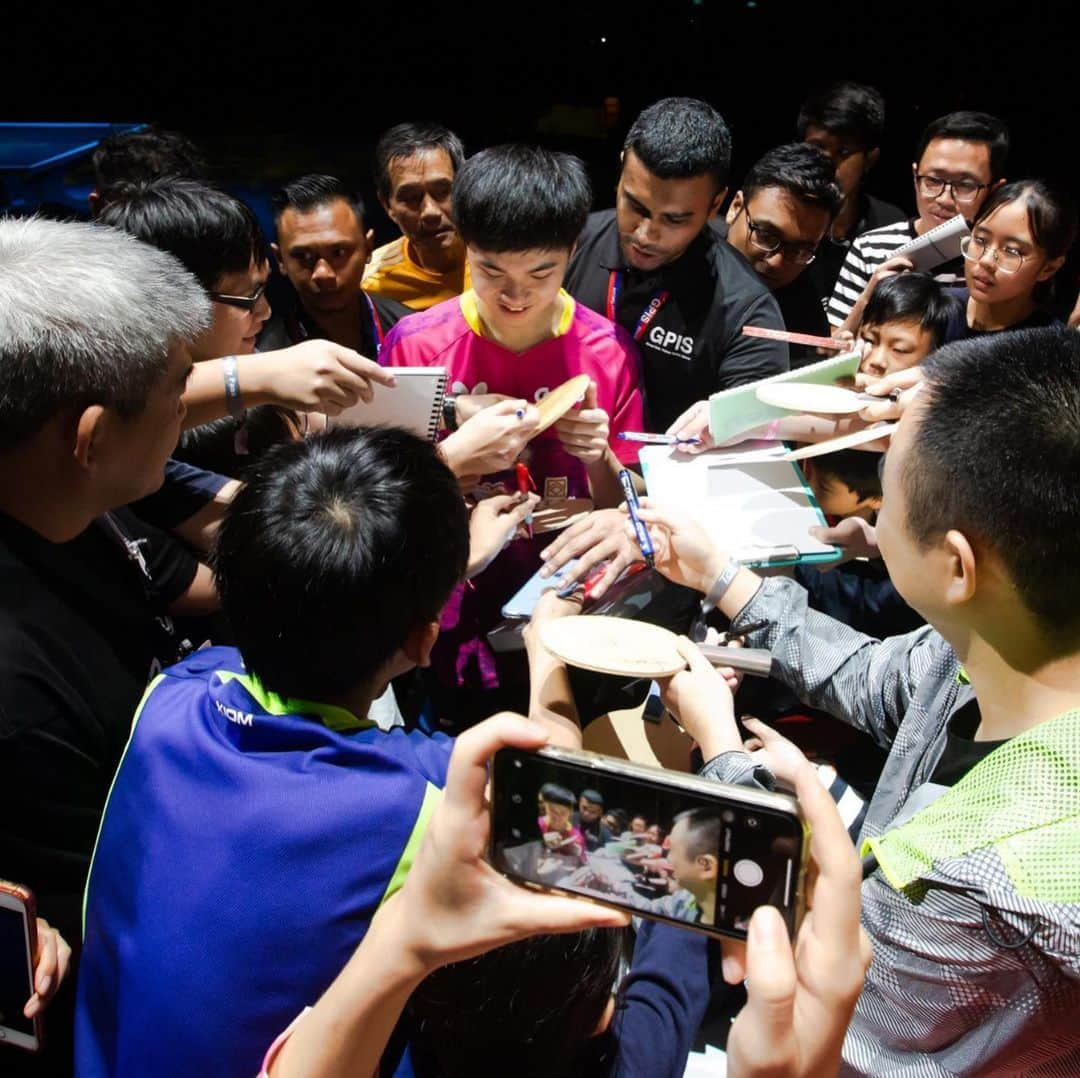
(18, 942)
(664, 845)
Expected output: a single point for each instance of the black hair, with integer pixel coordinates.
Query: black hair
(312, 191)
(140, 156)
(594, 797)
(531, 1008)
(558, 795)
(911, 297)
(846, 108)
(970, 127)
(521, 198)
(408, 140)
(997, 456)
(334, 551)
(804, 171)
(211, 232)
(214, 445)
(680, 137)
(1051, 213)
(703, 829)
(857, 469)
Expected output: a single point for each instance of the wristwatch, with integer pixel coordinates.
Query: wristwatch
(720, 585)
(449, 411)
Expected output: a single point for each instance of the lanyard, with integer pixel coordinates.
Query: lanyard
(133, 549)
(652, 308)
(378, 333)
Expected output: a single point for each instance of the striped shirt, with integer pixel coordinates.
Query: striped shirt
(866, 254)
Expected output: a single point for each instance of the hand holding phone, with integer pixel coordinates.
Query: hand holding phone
(34, 960)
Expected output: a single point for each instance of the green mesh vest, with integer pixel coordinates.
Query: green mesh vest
(1023, 800)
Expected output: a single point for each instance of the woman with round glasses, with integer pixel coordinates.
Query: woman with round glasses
(1019, 240)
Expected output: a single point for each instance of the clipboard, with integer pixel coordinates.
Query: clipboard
(760, 510)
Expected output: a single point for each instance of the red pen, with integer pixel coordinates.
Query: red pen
(525, 484)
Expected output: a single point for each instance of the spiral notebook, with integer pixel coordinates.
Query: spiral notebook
(415, 403)
(936, 247)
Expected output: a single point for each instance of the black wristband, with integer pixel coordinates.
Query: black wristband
(449, 411)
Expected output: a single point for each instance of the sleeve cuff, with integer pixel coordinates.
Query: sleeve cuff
(279, 1042)
(738, 769)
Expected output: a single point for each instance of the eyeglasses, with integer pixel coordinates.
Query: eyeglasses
(1007, 259)
(246, 303)
(769, 241)
(961, 190)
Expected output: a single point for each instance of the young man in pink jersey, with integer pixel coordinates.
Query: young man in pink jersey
(518, 334)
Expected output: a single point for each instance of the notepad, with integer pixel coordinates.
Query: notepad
(758, 510)
(732, 411)
(933, 248)
(415, 403)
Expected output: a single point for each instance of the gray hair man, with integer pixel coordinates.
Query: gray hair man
(94, 328)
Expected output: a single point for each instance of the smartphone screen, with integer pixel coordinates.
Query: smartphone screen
(15, 984)
(643, 844)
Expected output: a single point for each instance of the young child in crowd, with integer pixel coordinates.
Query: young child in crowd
(517, 333)
(562, 838)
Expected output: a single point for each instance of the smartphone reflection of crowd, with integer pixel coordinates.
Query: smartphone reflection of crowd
(668, 872)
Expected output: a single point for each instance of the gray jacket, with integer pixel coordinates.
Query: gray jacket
(968, 976)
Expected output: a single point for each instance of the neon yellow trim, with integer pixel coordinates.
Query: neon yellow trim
(470, 311)
(331, 716)
(1022, 800)
(112, 785)
(962, 677)
(408, 855)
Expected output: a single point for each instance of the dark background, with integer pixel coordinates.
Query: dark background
(273, 92)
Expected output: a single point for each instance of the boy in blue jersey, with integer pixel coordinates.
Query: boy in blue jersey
(258, 818)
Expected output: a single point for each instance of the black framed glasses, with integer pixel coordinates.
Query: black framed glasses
(246, 303)
(769, 241)
(962, 190)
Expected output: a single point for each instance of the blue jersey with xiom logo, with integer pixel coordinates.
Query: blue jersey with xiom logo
(246, 843)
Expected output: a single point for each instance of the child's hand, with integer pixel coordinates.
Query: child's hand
(907, 381)
(453, 904)
(782, 757)
(700, 700)
(584, 433)
(493, 523)
(491, 440)
(694, 423)
(857, 538)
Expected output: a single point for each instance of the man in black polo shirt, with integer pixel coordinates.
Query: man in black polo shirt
(653, 265)
(846, 120)
(777, 221)
(322, 248)
(93, 363)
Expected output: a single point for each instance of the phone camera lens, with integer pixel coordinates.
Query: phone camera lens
(515, 832)
(517, 764)
(752, 822)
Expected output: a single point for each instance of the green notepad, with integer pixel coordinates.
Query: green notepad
(732, 411)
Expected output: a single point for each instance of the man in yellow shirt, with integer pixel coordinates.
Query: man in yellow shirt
(415, 165)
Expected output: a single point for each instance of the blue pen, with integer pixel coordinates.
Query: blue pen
(657, 439)
(632, 505)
